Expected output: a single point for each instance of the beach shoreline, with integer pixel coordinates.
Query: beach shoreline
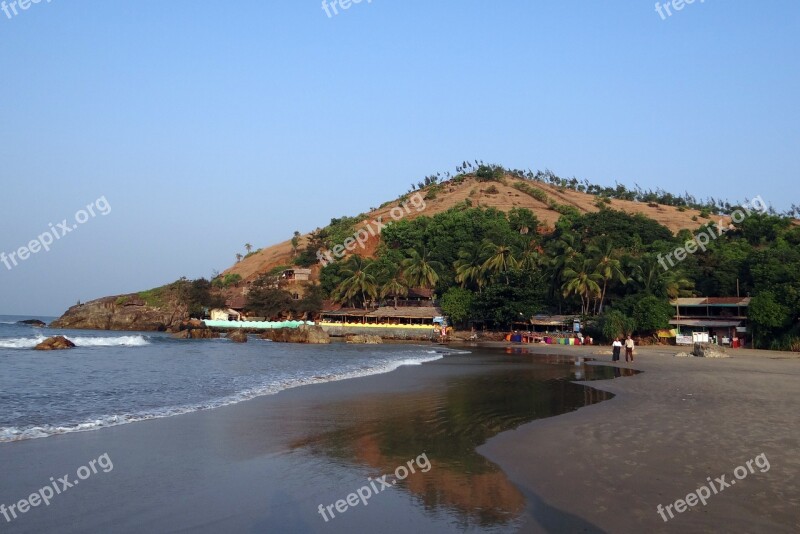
(603, 467)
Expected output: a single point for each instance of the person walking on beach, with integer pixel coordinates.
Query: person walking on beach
(629, 348)
(616, 348)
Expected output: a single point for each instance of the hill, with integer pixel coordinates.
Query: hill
(484, 194)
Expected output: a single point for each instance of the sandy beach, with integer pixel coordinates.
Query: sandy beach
(268, 463)
(606, 467)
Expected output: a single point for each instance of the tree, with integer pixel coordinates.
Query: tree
(582, 279)
(395, 285)
(767, 315)
(248, 247)
(615, 324)
(265, 300)
(500, 259)
(238, 257)
(359, 282)
(608, 266)
(469, 267)
(456, 303)
(420, 270)
(503, 304)
(652, 313)
(295, 242)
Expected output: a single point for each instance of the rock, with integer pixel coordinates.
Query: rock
(314, 335)
(364, 339)
(119, 313)
(33, 322)
(237, 336)
(196, 333)
(706, 350)
(55, 343)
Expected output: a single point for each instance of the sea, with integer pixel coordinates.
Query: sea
(116, 378)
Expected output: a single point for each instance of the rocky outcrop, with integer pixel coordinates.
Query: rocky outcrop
(237, 336)
(119, 313)
(704, 350)
(314, 335)
(55, 343)
(196, 333)
(363, 339)
(33, 322)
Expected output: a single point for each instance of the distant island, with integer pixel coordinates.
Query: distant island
(493, 249)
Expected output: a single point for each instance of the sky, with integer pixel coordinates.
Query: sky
(203, 126)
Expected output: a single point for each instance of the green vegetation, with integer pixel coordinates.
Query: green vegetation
(226, 281)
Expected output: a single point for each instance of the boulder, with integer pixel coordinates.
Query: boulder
(237, 336)
(55, 343)
(120, 313)
(704, 350)
(33, 322)
(363, 339)
(196, 333)
(314, 335)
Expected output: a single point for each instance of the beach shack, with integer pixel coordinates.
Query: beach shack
(724, 319)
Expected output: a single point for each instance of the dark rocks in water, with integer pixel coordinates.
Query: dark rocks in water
(33, 322)
(363, 339)
(55, 343)
(119, 313)
(237, 336)
(313, 335)
(196, 333)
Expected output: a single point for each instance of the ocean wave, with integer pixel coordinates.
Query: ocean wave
(8, 434)
(120, 341)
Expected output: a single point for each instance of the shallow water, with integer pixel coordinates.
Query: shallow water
(113, 378)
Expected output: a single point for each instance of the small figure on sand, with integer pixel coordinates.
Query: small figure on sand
(616, 347)
(629, 348)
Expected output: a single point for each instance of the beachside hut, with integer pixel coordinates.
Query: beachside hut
(296, 274)
(724, 318)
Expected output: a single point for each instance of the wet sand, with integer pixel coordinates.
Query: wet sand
(266, 465)
(606, 467)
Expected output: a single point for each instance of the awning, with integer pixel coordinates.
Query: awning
(706, 323)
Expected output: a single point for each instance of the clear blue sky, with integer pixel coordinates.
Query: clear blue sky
(210, 124)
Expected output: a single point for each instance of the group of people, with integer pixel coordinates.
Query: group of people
(616, 348)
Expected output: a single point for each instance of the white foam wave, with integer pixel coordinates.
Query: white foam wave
(80, 341)
(8, 434)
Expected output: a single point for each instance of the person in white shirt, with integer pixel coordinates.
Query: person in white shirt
(616, 348)
(629, 348)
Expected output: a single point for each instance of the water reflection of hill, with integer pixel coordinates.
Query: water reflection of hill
(448, 424)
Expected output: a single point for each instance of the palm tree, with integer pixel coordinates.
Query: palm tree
(248, 247)
(651, 278)
(564, 252)
(419, 270)
(529, 259)
(469, 267)
(358, 281)
(583, 280)
(295, 242)
(395, 287)
(609, 267)
(501, 259)
(238, 257)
